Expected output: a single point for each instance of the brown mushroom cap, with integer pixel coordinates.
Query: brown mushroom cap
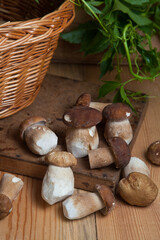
(5, 206)
(83, 100)
(107, 197)
(153, 153)
(120, 150)
(116, 112)
(29, 122)
(137, 189)
(82, 117)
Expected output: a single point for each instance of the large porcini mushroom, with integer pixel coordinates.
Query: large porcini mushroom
(153, 153)
(118, 153)
(10, 186)
(38, 137)
(137, 189)
(83, 204)
(81, 134)
(80, 140)
(61, 159)
(58, 183)
(135, 165)
(117, 121)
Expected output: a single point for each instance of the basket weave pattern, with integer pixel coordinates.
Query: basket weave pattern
(26, 48)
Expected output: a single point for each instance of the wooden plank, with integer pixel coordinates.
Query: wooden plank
(55, 97)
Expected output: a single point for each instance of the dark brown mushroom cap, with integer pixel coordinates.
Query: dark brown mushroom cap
(153, 152)
(83, 100)
(82, 117)
(116, 112)
(5, 206)
(29, 122)
(120, 150)
(107, 197)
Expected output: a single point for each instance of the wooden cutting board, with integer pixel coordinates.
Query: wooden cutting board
(57, 95)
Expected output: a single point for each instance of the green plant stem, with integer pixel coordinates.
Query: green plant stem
(129, 58)
(96, 17)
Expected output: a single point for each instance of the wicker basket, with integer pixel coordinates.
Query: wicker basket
(26, 48)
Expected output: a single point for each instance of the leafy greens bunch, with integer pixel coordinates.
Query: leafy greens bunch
(119, 29)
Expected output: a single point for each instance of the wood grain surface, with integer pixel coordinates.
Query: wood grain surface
(33, 219)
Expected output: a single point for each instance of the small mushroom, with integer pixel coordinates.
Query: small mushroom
(137, 189)
(85, 100)
(10, 186)
(38, 137)
(117, 123)
(61, 159)
(135, 165)
(118, 153)
(80, 140)
(153, 153)
(58, 183)
(83, 204)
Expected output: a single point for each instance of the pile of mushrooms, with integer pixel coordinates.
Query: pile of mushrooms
(82, 139)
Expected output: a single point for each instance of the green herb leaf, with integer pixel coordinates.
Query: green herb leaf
(124, 97)
(108, 87)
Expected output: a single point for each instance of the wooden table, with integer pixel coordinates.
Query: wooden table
(34, 219)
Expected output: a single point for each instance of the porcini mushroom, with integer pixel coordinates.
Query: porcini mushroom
(117, 121)
(153, 153)
(118, 153)
(85, 100)
(58, 183)
(80, 140)
(135, 165)
(137, 189)
(10, 186)
(83, 204)
(38, 137)
(61, 159)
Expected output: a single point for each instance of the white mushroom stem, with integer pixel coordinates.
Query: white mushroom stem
(100, 157)
(82, 205)
(121, 129)
(10, 186)
(98, 105)
(136, 165)
(40, 139)
(79, 141)
(58, 183)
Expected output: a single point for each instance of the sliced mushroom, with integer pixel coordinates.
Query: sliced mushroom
(83, 204)
(117, 123)
(38, 137)
(135, 165)
(118, 153)
(80, 141)
(10, 186)
(58, 183)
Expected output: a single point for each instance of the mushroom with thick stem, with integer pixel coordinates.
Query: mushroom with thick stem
(118, 153)
(137, 189)
(85, 100)
(61, 159)
(117, 121)
(80, 140)
(135, 165)
(38, 137)
(10, 186)
(83, 204)
(58, 184)
(153, 153)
